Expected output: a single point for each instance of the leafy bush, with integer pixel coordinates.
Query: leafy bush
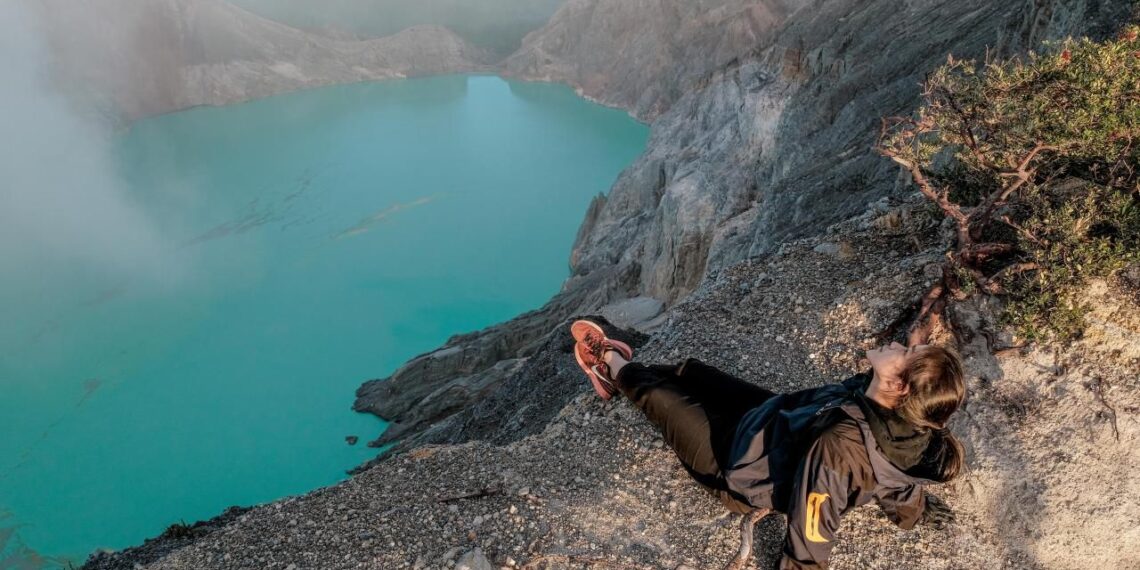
(1036, 161)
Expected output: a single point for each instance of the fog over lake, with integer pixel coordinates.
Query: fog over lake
(190, 304)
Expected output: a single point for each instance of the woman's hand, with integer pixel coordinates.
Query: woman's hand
(936, 512)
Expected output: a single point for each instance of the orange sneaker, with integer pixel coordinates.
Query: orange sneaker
(589, 349)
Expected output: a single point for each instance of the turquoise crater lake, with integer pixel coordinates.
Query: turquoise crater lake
(310, 242)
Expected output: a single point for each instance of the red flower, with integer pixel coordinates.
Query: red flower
(1066, 56)
(1132, 34)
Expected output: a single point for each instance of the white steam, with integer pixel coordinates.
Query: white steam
(62, 202)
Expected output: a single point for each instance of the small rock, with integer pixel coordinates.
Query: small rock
(351, 439)
(473, 560)
(450, 555)
(842, 250)
(827, 248)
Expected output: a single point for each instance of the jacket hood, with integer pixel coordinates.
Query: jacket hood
(902, 442)
(934, 460)
(927, 471)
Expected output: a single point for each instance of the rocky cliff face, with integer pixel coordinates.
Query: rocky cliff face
(643, 55)
(773, 142)
(777, 144)
(144, 57)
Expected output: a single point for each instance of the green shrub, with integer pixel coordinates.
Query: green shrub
(1086, 231)
(1036, 159)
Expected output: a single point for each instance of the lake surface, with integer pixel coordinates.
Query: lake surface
(307, 243)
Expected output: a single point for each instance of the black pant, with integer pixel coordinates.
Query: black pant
(697, 408)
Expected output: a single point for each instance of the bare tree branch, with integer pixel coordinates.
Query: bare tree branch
(939, 197)
(980, 251)
(470, 495)
(994, 283)
(966, 132)
(1022, 231)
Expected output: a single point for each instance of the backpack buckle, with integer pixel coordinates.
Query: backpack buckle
(830, 405)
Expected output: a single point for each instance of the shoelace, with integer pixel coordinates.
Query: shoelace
(598, 348)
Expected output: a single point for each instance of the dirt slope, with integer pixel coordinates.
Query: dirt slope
(1052, 469)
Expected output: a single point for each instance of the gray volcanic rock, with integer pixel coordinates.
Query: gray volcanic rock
(473, 560)
(526, 395)
(643, 55)
(498, 383)
(175, 537)
(145, 57)
(779, 144)
(639, 313)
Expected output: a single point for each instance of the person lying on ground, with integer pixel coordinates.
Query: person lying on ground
(815, 454)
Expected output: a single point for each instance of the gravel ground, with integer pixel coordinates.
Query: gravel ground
(1051, 479)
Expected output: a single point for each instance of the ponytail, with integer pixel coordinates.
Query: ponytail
(937, 388)
(950, 458)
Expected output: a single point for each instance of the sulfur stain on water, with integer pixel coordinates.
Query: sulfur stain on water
(367, 223)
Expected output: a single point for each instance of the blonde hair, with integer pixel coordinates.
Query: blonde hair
(937, 389)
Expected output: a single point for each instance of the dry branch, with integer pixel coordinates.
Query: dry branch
(486, 492)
